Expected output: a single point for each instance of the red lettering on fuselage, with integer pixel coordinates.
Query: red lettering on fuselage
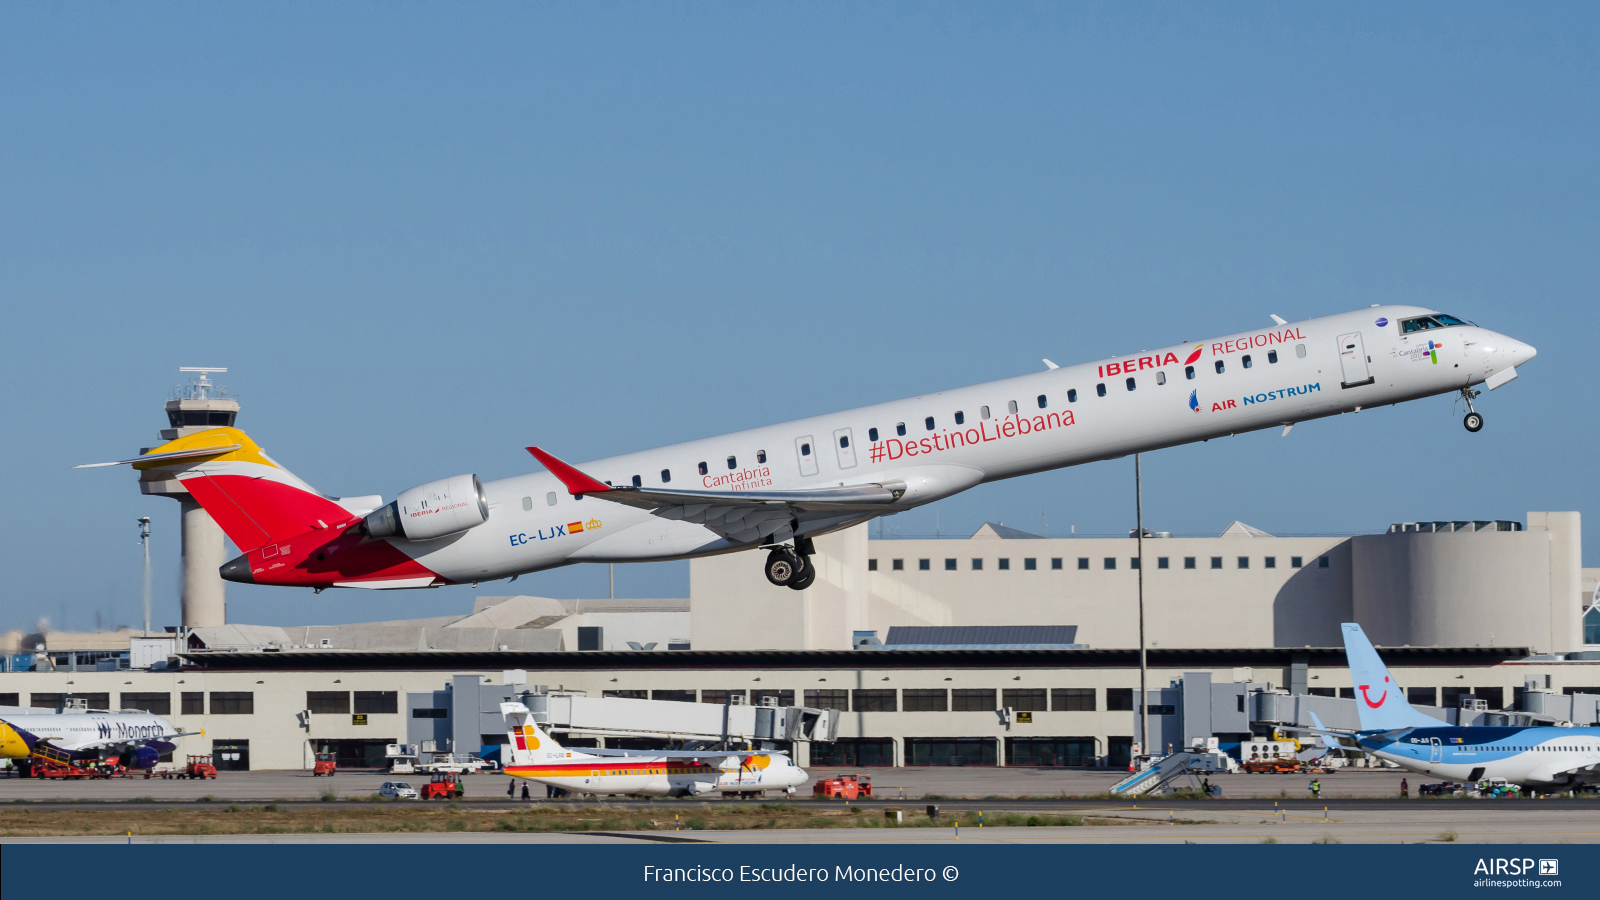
(1258, 340)
(1009, 427)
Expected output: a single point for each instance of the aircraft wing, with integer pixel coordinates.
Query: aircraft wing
(737, 515)
(685, 754)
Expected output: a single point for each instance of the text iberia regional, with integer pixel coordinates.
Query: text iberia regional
(1012, 426)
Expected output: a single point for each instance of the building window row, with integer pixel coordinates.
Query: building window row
(1084, 563)
(956, 699)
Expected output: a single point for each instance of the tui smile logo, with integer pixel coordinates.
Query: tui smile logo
(1381, 697)
(1194, 400)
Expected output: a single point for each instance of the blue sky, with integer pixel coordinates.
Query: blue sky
(423, 236)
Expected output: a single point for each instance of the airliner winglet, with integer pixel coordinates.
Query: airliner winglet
(577, 482)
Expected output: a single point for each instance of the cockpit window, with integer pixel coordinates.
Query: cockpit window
(1424, 323)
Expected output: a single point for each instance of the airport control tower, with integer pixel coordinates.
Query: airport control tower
(194, 407)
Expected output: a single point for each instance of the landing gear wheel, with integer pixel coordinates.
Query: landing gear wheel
(783, 567)
(1474, 422)
(804, 579)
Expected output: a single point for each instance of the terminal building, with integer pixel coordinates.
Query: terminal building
(1000, 649)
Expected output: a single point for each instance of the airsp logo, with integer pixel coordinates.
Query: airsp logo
(1500, 866)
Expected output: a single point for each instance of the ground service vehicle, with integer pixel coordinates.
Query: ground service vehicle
(198, 767)
(444, 786)
(845, 787)
(326, 764)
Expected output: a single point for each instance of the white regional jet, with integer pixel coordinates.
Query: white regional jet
(779, 486)
(658, 773)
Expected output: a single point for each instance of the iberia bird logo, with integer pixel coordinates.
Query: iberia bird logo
(1194, 400)
(1198, 349)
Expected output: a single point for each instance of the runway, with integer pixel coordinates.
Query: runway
(1554, 822)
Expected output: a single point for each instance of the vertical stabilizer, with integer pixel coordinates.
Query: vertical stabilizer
(528, 743)
(1380, 702)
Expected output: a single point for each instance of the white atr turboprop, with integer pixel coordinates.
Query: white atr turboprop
(656, 773)
(779, 486)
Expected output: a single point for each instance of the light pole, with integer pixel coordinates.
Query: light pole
(144, 541)
(1138, 518)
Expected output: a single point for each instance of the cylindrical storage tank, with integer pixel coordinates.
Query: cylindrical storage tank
(1453, 588)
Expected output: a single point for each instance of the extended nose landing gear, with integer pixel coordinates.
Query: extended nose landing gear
(1473, 420)
(792, 568)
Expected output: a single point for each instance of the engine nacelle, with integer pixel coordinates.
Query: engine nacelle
(142, 758)
(432, 510)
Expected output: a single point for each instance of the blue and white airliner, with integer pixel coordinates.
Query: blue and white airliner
(1542, 757)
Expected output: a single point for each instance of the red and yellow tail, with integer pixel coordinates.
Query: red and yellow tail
(254, 499)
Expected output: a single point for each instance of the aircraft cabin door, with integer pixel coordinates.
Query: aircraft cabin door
(1434, 750)
(844, 443)
(1353, 360)
(806, 449)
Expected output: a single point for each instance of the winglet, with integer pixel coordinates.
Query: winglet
(577, 483)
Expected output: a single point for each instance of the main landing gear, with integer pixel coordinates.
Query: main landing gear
(1473, 420)
(792, 568)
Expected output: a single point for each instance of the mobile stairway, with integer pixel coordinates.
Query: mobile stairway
(1164, 770)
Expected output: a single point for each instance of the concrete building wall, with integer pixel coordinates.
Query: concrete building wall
(1452, 589)
(1481, 588)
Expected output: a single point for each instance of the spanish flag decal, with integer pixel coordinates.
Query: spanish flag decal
(574, 527)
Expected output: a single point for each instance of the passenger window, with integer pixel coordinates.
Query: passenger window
(844, 441)
(805, 450)
(1131, 384)
(761, 456)
(704, 469)
(527, 503)
(1272, 356)
(550, 498)
(1300, 351)
(872, 434)
(666, 476)
(961, 417)
(1100, 389)
(929, 422)
(1072, 395)
(983, 411)
(1219, 367)
(1188, 372)
(1041, 401)
(1246, 361)
(1012, 407)
(900, 429)
(1161, 378)
(733, 463)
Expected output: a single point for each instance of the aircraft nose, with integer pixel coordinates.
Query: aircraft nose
(1521, 352)
(238, 570)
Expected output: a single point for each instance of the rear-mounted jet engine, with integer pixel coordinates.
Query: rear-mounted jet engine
(433, 510)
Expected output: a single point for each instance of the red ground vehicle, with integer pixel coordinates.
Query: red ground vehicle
(198, 767)
(1274, 766)
(444, 786)
(325, 765)
(846, 787)
(50, 768)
